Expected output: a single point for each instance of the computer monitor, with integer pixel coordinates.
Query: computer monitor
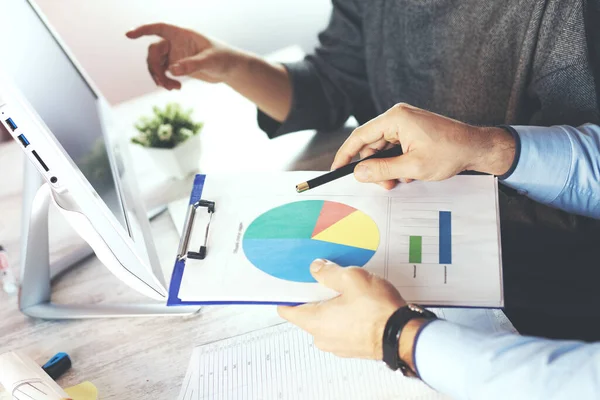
(70, 122)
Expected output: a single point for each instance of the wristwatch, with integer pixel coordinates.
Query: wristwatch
(392, 332)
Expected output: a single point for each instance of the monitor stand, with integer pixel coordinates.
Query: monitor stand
(36, 278)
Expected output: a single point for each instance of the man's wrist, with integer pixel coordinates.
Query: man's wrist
(268, 85)
(240, 64)
(495, 151)
(408, 342)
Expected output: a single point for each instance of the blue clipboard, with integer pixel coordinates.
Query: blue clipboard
(180, 264)
(179, 268)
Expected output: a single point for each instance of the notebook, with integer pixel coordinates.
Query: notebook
(437, 242)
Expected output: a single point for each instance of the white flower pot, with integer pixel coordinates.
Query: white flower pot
(180, 161)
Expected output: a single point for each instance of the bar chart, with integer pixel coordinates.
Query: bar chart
(444, 239)
(422, 246)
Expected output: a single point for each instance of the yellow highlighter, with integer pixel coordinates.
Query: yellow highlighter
(83, 391)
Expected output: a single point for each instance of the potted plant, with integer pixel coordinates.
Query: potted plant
(171, 138)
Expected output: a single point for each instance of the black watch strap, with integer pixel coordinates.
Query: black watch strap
(392, 332)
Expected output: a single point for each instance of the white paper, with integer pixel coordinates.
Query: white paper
(472, 278)
(486, 320)
(300, 371)
(190, 381)
(282, 363)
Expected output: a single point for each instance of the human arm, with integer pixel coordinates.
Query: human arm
(183, 52)
(467, 364)
(331, 83)
(455, 360)
(559, 166)
(319, 92)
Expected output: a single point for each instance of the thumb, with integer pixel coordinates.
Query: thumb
(384, 169)
(328, 274)
(188, 66)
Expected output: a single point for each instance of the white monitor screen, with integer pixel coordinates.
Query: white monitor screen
(61, 96)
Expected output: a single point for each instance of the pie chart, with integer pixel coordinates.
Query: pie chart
(283, 241)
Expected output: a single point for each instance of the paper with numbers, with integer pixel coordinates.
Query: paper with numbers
(282, 362)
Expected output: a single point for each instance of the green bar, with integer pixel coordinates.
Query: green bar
(414, 254)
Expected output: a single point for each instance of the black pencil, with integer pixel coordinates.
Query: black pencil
(345, 170)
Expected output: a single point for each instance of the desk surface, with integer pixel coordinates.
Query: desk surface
(146, 358)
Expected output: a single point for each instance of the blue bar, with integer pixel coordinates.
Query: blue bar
(445, 237)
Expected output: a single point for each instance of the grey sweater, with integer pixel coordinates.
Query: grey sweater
(483, 62)
(487, 62)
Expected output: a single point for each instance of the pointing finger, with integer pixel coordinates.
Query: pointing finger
(373, 134)
(163, 30)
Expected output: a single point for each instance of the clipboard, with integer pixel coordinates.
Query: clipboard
(239, 255)
(177, 275)
(183, 253)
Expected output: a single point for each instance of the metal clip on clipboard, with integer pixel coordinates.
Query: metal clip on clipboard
(182, 251)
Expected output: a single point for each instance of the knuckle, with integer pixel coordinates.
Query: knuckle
(356, 131)
(356, 137)
(354, 140)
(384, 168)
(401, 108)
(346, 276)
(353, 274)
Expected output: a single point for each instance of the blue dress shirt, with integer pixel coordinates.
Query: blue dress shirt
(558, 166)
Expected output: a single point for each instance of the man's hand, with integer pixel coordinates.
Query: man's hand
(185, 52)
(435, 147)
(352, 324)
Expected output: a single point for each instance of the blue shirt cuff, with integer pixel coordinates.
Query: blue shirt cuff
(515, 162)
(444, 354)
(533, 175)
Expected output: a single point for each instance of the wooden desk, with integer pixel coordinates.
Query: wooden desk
(146, 358)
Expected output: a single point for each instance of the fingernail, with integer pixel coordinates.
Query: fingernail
(317, 265)
(362, 173)
(176, 69)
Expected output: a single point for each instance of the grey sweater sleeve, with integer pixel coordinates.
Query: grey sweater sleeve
(566, 67)
(330, 85)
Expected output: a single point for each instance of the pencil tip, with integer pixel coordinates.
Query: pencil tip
(302, 187)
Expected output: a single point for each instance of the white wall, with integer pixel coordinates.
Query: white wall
(94, 31)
